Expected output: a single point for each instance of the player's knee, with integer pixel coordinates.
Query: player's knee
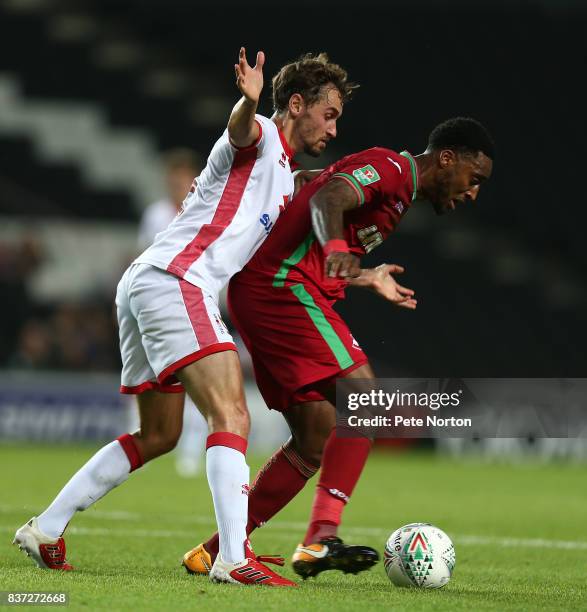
(312, 456)
(309, 448)
(169, 442)
(162, 442)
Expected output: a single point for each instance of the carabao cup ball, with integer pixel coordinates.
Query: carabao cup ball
(419, 555)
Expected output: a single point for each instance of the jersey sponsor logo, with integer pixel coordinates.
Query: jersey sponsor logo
(265, 219)
(399, 207)
(355, 343)
(283, 160)
(370, 237)
(395, 164)
(366, 175)
(266, 222)
(245, 489)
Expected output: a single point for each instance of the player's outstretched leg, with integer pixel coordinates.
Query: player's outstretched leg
(343, 460)
(283, 476)
(276, 484)
(342, 464)
(215, 385)
(160, 416)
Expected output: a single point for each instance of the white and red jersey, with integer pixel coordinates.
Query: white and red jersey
(229, 211)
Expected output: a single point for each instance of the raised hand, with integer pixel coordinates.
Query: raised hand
(249, 80)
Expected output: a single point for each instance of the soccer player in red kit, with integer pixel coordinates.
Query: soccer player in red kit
(281, 303)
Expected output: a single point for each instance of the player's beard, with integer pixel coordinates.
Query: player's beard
(314, 150)
(441, 202)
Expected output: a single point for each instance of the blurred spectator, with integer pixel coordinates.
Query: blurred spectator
(17, 264)
(85, 337)
(68, 336)
(181, 167)
(34, 349)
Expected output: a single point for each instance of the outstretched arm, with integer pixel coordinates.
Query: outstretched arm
(379, 280)
(242, 128)
(328, 206)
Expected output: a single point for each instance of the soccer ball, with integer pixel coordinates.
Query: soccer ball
(419, 555)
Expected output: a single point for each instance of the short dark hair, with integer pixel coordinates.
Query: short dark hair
(462, 134)
(307, 76)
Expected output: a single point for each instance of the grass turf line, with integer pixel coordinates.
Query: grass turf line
(119, 567)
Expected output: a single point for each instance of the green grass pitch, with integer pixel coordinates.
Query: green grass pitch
(519, 532)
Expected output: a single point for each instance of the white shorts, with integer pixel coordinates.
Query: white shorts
(165, 323)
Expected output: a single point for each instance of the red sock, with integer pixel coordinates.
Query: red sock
(129, 446)
(343, 460)
(276, 484)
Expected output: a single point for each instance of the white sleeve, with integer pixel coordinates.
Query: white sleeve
(267, 131)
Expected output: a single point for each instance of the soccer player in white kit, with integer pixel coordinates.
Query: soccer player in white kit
(172, 337)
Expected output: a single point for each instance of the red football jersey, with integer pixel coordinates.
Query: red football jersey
(385, 183)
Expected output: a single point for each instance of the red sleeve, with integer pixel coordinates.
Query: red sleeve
(372, 174)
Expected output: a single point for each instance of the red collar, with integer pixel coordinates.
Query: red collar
(286, 147)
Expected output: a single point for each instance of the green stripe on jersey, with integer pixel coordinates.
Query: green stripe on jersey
(355, 183)
(292, 260)
(414, 172)
(326, 330)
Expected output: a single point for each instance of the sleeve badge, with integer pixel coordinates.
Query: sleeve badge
(366, 175)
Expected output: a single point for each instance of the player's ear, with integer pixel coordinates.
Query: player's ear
(296, 105)
(446, 157)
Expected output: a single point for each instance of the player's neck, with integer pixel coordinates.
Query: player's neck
(286, 127)
(425, 166)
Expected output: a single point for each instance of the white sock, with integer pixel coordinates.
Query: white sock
(108, 468)
(228, 477)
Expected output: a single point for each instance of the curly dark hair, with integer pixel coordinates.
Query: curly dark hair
(464, 135)
(307, 76)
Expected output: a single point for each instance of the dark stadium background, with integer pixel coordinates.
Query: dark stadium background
(501, 283)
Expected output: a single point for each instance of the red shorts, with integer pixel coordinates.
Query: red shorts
(298, 343)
